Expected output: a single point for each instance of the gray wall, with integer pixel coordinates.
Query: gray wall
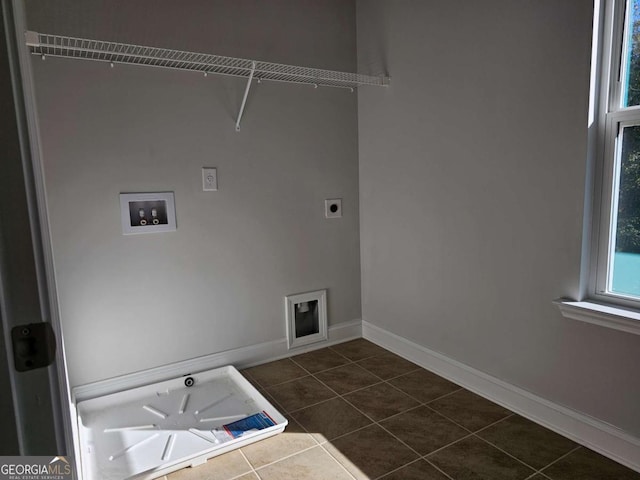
(218, 282)
(472, 169)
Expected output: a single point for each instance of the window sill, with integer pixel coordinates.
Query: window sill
(598, 314)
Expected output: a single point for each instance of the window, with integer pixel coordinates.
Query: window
(615, 274)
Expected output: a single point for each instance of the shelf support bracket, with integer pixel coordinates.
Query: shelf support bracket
(246, 94)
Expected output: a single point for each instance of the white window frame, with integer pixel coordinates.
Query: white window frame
(606, 119)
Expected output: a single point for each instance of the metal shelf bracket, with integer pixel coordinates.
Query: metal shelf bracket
(246, 94)
(47, 45)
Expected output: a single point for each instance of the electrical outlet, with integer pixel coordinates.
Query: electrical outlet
(333, 208)
(209, 179)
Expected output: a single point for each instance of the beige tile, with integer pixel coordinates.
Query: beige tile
(424, 385)
(275, 372)
(371, 451)
(424, 430)
(585, 464)
(527, 441)
(313, 464)
(277, 447)
(358, 349)
(347, 378)
(222, 467)
(469, 410)
(248, 476)
(351, 467)
(320, 360)
(381, 401)
(419, 470)
(472, 458)
(331, 419)
(388, 365)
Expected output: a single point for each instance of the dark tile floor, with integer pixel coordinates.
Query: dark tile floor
(358, 411)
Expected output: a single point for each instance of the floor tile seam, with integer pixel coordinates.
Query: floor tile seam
(350, 391)
(558, 459)
(395, 376)
(535, 469)
(261, 467)
(347, 362)
(401, 441)
(342, 395)
(291, 412)
(437, 468)
(369, 371)
(337, 461)
(352, 363)
(278, 406)
(449, 419)
(243, 474)
(416, 398)
(533, 475)
(367, 358)
(376, 422)
(348, 403)
(411, 396)
(427, 455)
(466, 428)
(495, 423)
(288, 381)
(248, 463)
(445, 395)
(400, 413)
(359, 359)
(362, 412)
(538, 470)
(399, 468)
(345, 434)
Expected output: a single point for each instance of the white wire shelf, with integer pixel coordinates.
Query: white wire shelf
(87, 49)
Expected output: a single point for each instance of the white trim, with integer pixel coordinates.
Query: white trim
(603, 315)
(290, 302)
(242, 357)
(60, 393)
(590, 432)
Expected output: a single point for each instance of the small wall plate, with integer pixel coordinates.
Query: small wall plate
(333, 208)
(147, 212)
(306, 318)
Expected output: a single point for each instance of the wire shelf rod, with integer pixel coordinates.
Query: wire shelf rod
(71, 47)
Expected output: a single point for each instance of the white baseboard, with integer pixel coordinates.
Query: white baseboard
(585, 430)
(238, 357)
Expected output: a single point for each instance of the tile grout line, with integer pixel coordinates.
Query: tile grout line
(470, 434)
(378, 423)
(248, 463)
(437, 468)
(374, 422)
(559, 458)
(261, 467)
(336, 460)
(535, 470)
(397, 469)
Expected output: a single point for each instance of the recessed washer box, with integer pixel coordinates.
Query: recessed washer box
(147, 212)
(152, 430)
